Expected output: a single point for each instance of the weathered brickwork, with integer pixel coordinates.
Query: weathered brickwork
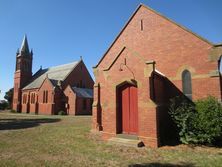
(151, 52)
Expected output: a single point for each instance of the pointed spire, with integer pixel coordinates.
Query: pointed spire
(24, 47)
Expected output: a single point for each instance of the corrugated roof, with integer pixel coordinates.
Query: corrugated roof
(53, 73)
(83, 92)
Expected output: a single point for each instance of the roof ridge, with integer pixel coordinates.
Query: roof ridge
(63, 64)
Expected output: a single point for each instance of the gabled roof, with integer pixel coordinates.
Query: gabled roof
(152, 10)
(83, 92)
(55, 74)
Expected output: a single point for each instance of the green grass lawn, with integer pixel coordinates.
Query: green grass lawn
(32, 140)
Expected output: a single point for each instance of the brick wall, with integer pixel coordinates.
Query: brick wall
(174, 49)
(46, 108)
(79, 74)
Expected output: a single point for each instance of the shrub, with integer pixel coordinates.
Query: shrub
(62, 112)
(198, 123)
(182, 111)
(13, 111)
(3, 105)
(209, 121)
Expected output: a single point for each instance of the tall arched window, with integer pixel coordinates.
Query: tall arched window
(186, 84)
(220, 65)
(46, 96)
(43, 96)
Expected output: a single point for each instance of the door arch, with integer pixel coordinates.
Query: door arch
(127, 109)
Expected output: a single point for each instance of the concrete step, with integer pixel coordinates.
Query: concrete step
(127, 136)
(126, 142)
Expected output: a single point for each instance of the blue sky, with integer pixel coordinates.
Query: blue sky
(60, 31)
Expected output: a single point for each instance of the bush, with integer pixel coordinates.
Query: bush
(3, 105)
(62, 112)
(182, 111)
(209, 121)
(199, 123)
(13, 111)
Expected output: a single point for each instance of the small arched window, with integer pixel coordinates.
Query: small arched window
(46, 96)
(186, 84)
(220, 65)
(43, 96)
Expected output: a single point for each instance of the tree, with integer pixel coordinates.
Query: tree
(9, 96)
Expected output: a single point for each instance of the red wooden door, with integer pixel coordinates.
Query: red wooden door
(129, 110)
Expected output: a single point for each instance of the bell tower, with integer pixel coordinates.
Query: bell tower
(23, 72)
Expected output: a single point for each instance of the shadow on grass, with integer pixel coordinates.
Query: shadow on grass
(157, 164)
(13, 124)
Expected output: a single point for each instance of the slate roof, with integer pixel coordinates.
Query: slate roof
(83, 92)
(55, 74)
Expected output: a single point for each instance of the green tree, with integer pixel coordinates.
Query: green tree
(9, 96)
(3, 105)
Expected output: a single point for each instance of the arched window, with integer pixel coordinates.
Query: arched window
(220, 65)
(43, 96)
(186, 84)
(32, 98)
(46, 96)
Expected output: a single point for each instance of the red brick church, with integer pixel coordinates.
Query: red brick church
(67, 87)
(150, 61)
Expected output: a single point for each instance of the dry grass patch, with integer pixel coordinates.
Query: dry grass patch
(29, 140)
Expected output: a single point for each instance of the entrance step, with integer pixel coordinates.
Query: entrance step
(127, 136)
(126, 142)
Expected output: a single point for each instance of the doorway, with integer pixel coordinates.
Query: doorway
(127, 113)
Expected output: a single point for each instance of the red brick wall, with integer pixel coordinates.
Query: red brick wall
(80, 73)
(76, 103)
(34, 103)
(46, 108)
(79, 106)
(174, 49)
(71, 101)
(29, 107)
